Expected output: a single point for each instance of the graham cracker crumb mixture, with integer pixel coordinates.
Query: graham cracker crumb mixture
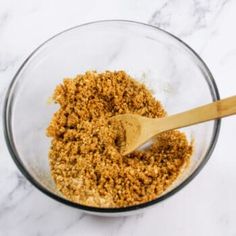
(85, 161)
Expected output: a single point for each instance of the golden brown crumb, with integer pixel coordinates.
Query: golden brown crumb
(85, 161)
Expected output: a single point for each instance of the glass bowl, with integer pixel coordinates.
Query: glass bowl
(176, 75)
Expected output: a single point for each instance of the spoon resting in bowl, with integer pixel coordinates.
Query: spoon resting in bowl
(139, 129)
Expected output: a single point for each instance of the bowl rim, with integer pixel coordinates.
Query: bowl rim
(7, 129)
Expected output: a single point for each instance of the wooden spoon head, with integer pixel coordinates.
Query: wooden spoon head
(132, 127)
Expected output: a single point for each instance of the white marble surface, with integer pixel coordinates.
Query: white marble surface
(206, 206)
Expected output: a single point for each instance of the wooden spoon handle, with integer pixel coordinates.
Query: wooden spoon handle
(211, 111)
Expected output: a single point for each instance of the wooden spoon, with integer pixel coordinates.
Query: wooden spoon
(139, 129)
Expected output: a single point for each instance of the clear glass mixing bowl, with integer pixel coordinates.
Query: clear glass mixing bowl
(171, 69)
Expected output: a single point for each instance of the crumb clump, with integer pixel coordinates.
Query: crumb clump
(84, 157)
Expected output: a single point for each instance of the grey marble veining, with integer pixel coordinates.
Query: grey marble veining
(207, 205)
(190, 16)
